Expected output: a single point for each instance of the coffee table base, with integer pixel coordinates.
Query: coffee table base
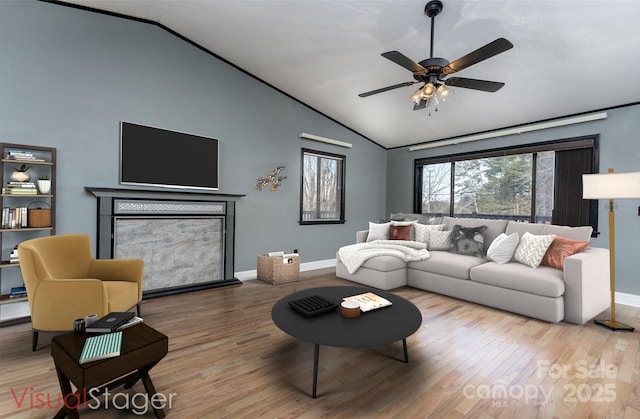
(316, 358)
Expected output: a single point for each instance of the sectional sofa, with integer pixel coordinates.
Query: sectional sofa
(575, 291)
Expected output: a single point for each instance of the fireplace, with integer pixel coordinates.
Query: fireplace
(185, 239)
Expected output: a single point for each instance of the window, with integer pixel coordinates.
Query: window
(322, 188)
(539, 183)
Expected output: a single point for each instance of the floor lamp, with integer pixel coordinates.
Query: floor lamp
(612, 186)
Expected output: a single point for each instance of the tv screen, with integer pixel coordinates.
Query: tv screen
(159, 157)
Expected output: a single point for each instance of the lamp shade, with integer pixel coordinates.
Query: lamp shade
(611, 186)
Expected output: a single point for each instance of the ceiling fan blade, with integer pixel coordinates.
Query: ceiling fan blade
(404, 61)
(484, 85)
(492, 48)
(384, 89)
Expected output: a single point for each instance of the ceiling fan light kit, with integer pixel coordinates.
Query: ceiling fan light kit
(433, 70)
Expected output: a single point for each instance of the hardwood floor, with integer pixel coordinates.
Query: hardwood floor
(227, 359)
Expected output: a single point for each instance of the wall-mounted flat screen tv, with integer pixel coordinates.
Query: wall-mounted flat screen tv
(159, 157)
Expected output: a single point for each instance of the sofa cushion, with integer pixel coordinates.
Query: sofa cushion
(384, 263)
(378, 231)
(503, 247)
(560, 249)
(468, 240)
(543, 281)
(532, 248)
(380, 263)
(573, 233)
(521, 228)
(494, 227)
(422, 219)
(449, 264)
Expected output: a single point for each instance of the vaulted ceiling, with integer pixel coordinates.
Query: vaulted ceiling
(569, 56)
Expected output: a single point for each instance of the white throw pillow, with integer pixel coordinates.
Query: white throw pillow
(440, 240)
(502, 248)
(378, 231)
(532, 248)
(422, 231)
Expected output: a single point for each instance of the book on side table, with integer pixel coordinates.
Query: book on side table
(110, 323)
(368, 301)
(101, 347)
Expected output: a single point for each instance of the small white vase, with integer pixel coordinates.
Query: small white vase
(44, 186)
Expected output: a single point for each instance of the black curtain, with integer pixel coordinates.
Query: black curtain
(569, 207)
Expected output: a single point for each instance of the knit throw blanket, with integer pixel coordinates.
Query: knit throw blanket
(354, 255)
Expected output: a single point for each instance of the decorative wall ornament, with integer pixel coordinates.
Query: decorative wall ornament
(272, 180)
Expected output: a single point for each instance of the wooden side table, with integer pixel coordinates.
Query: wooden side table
(142, 348)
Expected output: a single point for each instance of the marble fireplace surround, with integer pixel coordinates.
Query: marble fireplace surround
(186, 239)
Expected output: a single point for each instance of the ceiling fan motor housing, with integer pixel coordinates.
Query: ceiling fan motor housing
(433, 64)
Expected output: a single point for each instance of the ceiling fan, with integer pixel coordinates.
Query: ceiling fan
(433, 71)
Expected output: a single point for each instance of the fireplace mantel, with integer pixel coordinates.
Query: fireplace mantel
(123, 212)
(159, 194)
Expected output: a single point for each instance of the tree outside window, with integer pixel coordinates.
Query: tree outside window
(322, 188)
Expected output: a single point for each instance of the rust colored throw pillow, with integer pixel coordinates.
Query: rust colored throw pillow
(400, 232)
(561, 248)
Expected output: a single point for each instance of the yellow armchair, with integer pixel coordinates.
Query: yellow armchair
(64, 282)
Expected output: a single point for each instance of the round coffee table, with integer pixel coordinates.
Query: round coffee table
(373, 328)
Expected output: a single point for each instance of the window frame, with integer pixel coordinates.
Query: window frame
(341, 186)
(587, 141)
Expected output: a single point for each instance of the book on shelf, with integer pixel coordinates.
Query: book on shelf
(17, 292)
(369, 301)
(13, 258)
(101, 347)
(15, 217)
(22, 155)
(19, 190)
(110, 323)
(17, 184)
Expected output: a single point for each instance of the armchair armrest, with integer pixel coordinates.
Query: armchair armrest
(58, 302)
(587, 285)
(117, 269)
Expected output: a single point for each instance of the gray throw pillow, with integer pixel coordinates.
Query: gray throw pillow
(468, 240)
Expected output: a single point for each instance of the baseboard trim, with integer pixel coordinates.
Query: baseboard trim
(632, 300)
(306, 266)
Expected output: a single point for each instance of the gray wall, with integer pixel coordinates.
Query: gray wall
(68, 77)
(619, 149)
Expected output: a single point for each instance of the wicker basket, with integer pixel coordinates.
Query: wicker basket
(38, 217)
(273, 271)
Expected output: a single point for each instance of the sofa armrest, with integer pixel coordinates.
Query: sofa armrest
(58, 302)
(361, 236)
(587, 285)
